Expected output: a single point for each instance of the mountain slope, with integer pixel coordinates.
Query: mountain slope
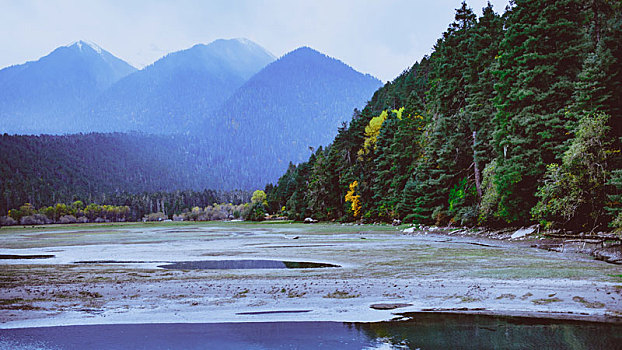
(181, 88)
(43, 96)
(294, 103)
(48, 168)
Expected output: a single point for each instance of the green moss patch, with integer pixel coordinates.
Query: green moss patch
(339, 294)
(545, 301)
(591, 305)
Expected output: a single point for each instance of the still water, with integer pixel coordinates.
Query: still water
(423, 331)
(244, 264)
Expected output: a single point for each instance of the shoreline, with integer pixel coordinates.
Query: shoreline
(534, 317)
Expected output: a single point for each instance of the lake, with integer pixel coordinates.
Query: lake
(422, 331)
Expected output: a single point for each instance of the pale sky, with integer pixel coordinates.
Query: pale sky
(379, 37)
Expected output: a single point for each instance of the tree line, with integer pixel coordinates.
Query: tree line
(48, 169)
(62, 213)
(513, 119)
(154, 206)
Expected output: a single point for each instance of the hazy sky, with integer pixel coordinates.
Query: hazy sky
(380, 37)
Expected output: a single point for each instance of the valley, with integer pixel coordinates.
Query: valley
(473, 200)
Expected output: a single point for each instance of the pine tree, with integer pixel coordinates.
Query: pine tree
(479, 110)
(447, 144)
(540, 57)
(573, 195)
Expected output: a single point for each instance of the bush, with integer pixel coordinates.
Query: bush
(67, 219)
(614, 207)
(7, 221)
(254, 212)
(36, 219)
(574, 193)
(159, 216)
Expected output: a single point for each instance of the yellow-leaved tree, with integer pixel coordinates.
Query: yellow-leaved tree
(354, 199)
(372, 130)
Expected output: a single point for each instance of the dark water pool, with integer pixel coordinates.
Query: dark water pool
(428, 331)
(243, 264)
(12, 257)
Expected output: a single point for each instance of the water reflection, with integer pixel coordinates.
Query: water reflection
(455, 331)
(423, 331)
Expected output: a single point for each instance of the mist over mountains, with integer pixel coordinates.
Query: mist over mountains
(226, 115)
(84, 88)
(179, 90)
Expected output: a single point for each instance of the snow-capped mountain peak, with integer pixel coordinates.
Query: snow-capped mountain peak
(80, 44)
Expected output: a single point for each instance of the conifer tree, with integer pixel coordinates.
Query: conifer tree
(540, 57)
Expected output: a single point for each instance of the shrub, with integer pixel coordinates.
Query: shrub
(67, 219)
(255, 212)
(7, 221)
(159, 216)
(36, 219)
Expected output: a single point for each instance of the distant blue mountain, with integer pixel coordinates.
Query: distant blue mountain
(292, 104)
(45, 96)
(179, 90)
(235, 117)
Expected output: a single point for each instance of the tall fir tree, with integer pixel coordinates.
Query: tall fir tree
(540, 58)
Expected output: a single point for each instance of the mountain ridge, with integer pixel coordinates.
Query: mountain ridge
(43, 94)
(170, 94)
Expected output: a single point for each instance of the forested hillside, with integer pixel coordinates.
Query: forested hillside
(294, 103)
(106, 168)
(291, 104)
(513, 119)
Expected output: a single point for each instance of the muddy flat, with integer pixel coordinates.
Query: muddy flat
(113, 274)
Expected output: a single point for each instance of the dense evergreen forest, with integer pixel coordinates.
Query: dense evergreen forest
(514, 119)
(113, 169)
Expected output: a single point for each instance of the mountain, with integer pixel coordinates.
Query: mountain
(180, 89)
(292, 104)
(44, 96)
(261, 124)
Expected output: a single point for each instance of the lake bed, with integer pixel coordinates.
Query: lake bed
(376, 265)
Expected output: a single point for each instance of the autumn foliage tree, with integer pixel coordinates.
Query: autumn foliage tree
(354, 200)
